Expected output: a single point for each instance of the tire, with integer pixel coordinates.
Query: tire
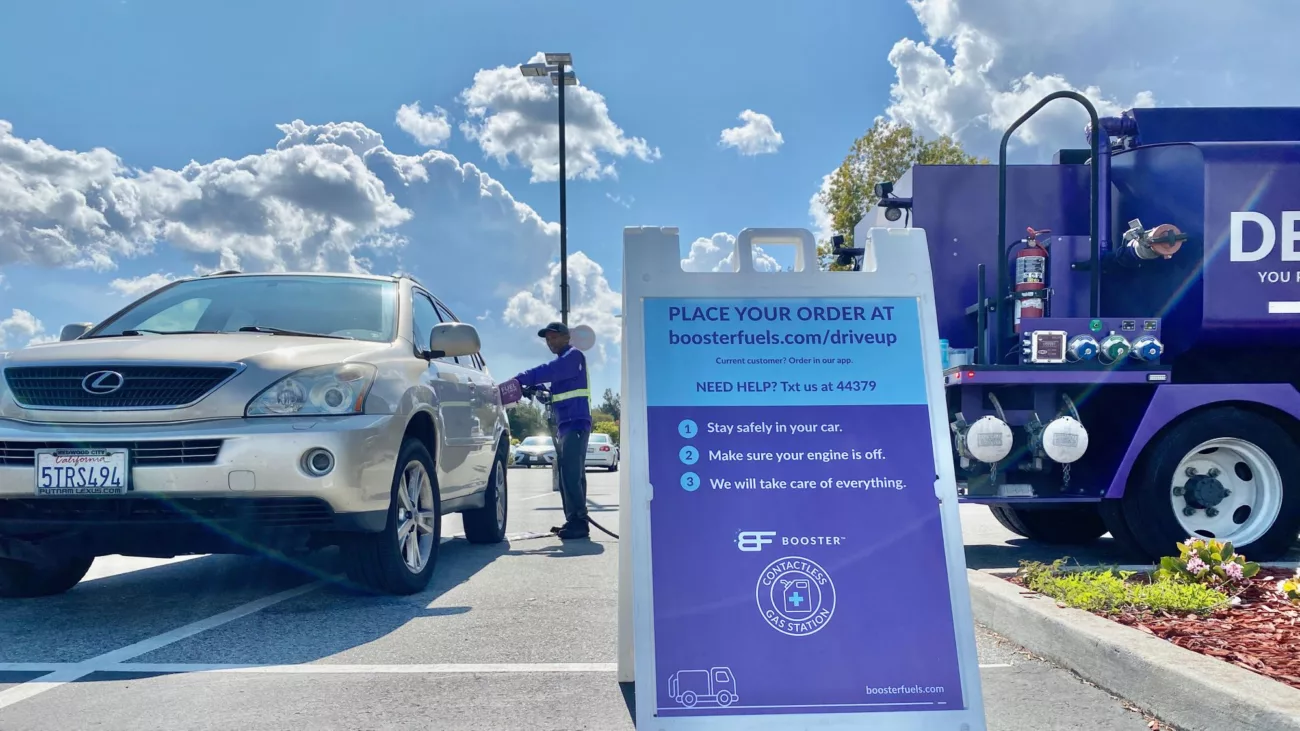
(488, 523)
(1059, 526)
(1250, 455)
(724, 698)
(613, 466)
(376, 561)
(689, 699)
(20, 580)
(1112, 514)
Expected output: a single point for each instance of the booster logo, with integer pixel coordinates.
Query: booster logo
(753, 540)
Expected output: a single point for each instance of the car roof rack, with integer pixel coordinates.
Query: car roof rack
(223, 273)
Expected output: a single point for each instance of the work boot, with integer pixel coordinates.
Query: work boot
(574, 532)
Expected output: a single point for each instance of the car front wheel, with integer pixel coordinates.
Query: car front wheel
(401, 558)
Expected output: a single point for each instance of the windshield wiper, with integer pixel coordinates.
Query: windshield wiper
(133, 333)
(281, 331)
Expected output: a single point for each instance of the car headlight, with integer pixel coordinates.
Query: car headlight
(323, 390)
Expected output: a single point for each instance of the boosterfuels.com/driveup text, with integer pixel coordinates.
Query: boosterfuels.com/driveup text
(809, 314)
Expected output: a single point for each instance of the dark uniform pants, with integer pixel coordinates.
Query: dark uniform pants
(571, 454)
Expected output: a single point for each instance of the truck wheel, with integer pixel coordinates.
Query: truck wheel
(21, 580)
(1220, 474)
(400, 558)
(1065, 525)
(689, 699)
(724, 698)
(488, 523)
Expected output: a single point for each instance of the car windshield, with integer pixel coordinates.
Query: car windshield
(600, 437)
(536, 442)
(343, 307)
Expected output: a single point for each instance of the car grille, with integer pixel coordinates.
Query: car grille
(143, 387)
(269, 512)
(143, 454)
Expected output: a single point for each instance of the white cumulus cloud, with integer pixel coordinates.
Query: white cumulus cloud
(717, 253)
(591, 299)
(430, 129)
(20, 328)
(136, 287)
(757, 136)
(326, 197)
(515, 116)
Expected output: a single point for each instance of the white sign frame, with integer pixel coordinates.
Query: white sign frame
(897, 264)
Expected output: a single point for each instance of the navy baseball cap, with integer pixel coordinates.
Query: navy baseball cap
(555, 327)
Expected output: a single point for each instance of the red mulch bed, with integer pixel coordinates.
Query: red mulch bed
(1261, 634)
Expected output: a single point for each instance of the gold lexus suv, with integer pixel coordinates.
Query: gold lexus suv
(251, 413)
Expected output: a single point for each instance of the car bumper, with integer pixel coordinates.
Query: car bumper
(525, 459)
(600, 459)
(212, 472)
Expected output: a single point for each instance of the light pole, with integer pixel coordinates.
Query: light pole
(554, 68)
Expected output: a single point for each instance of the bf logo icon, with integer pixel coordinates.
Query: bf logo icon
(754, 540)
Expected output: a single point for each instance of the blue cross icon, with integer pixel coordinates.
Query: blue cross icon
(795, 599)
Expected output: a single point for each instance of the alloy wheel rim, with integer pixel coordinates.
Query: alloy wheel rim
(416, 518)
(499, 476)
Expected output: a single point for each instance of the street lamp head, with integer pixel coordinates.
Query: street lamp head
(534, 69)
(570, 78)
(560, 59)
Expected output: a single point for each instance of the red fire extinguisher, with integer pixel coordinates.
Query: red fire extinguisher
(1031, 278)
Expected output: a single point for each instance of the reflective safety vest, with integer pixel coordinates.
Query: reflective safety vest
(575, 393)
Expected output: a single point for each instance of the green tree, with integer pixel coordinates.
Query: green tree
(600, 415)
(883, 153)
(526, 419)
(613, 404)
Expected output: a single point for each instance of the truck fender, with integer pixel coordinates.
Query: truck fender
(1172, 402)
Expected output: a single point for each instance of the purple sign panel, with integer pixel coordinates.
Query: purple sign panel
(796, 540)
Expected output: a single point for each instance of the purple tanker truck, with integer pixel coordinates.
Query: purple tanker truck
(1123, 327)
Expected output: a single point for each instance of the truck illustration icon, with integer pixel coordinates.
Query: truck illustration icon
(715, 685)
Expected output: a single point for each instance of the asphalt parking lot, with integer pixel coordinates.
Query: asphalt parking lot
(515, 636)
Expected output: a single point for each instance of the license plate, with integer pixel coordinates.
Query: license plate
(80, 472)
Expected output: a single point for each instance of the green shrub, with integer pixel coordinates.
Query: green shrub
(1107, 591)
(607, 427)
(1290, 588)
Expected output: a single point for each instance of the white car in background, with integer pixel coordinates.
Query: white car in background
(534, 451)
(602, 452)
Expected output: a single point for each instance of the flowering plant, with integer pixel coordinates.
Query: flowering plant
(1290, 588)
(1207, 561)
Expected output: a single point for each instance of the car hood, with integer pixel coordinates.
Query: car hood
(264, 349)
(263, 359)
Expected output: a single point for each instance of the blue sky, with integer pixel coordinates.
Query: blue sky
(156, 86)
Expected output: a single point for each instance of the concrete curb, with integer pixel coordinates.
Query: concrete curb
(1181, 687)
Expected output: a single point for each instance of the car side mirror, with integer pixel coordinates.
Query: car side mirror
(453, 339)
(74, 331)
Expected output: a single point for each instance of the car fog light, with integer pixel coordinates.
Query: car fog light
(318, 462)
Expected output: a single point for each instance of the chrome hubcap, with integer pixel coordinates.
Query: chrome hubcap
(416, 518)
(499, 476)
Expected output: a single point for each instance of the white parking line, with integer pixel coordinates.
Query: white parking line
(76, 671)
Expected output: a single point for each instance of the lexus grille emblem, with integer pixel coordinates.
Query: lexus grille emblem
(102, 383)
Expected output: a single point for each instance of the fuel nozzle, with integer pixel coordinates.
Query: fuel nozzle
(1142, 244)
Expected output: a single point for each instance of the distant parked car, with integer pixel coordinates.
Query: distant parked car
(602, 452)
(534, 451)
(238, 412)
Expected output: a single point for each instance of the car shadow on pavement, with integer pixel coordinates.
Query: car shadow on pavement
(334, 620)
